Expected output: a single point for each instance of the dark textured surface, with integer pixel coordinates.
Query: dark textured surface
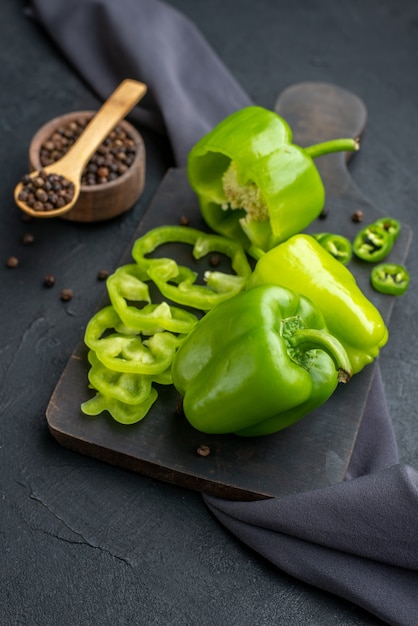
(83, 542)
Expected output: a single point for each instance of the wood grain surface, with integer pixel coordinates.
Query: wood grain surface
(314, 452)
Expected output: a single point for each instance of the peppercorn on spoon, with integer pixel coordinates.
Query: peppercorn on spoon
(64, 176)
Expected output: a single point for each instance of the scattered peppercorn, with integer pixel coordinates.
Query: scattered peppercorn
(46, 192)
(102, 274)
(112, 159)
(28, 238)
(214, 260)
(184, 221)
(66, 294)
(203, 450)
(49, 280)
(357, 217)
(12, 262)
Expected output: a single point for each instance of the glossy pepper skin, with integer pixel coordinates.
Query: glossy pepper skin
(303, 265)
(253, 184)
(258, 363)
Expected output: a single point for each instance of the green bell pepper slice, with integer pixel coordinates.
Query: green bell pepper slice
(300, 263)
(127, 290)
(124, 350)
(339, 246)
(390, 225)
(126, 387)
(373, 243)
(390, 278)
(120, 411)
(258, 363)
(178, 283)
(253, 184)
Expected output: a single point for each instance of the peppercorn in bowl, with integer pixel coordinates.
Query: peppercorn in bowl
(112, 180)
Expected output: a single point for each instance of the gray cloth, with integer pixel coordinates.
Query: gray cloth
(189, 89)
(357, 539)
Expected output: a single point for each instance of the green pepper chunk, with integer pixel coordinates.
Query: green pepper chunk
(373, 243)
(337, 245)
(126, 288)
(303, 265)
(258, 363)
(252, 183)
(390, 278)
(178, 283)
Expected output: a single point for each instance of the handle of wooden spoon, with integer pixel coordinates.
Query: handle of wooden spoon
(116, 107)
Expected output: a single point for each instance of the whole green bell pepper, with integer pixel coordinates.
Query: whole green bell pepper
(253, 184)
(258, 363)
(303, 265)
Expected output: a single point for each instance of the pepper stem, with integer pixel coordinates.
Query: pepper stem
(311, 339)
(335, 145)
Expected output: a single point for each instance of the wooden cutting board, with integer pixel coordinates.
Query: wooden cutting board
(314, 452)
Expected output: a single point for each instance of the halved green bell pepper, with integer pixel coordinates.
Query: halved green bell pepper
(253, 184)
(258, 363)
(303, 265)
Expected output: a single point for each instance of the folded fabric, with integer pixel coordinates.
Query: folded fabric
(357, 539)
(189, 88)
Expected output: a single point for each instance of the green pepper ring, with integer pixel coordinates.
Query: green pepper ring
(390, 278)
(373, 243)
(339, 246)
(390, 225)
(176, 282)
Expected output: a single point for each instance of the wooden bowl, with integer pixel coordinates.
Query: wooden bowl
(101, 201)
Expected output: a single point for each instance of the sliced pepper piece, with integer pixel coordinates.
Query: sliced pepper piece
(390, 225)
(390, 278)
(123, 349)
(120, 411)
(301, 264)
(126, 387)
(177, 283)
(127, 289)
(258, 363)
(253, 184)
(373, 243)
(339, 246)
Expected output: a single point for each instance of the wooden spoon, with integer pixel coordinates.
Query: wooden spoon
(72, 164)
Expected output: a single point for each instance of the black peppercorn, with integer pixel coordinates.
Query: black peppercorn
(102, 274)
(28, 238)
(115, 155)
(12, 262)
(66, 294)
(49, 280)
(357, 216)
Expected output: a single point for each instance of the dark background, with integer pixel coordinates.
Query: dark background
(86, 543)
